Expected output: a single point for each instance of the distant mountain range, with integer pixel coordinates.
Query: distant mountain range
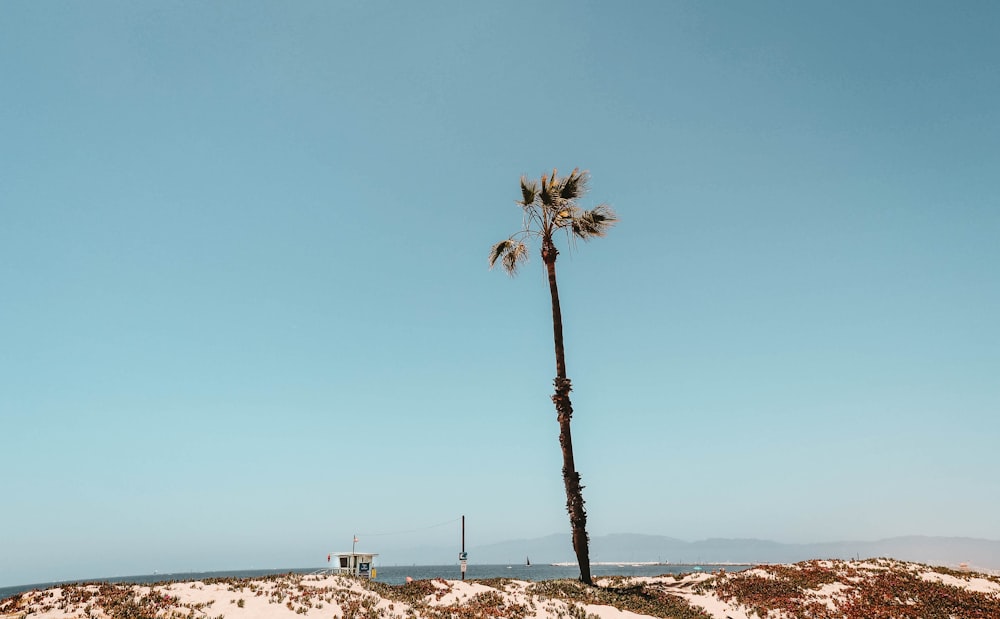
(949, 551)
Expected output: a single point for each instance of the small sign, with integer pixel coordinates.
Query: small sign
(462, 556)
(464, 565)
(364, 568)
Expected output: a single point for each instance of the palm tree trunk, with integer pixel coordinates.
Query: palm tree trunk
(564, 413)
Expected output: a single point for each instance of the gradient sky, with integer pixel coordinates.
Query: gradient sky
(245, 309)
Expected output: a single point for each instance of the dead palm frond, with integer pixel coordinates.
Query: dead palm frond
(594, 222)
(510, 254)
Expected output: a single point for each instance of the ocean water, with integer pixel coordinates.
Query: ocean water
(397, 574)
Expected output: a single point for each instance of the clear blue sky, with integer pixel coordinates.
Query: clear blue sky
(245, 310)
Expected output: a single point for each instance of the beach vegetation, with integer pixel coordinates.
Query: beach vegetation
(642, 599)
(576, 612)
(872, 589)
(550, 207)
(500, 584)
(829, 589)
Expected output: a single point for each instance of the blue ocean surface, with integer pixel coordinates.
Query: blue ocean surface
(397, 574)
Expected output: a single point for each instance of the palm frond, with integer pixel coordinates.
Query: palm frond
(550, 190)
(529, 191)
(574, 185)
(498, 250)
(516, 255)
(509, 253)
(594, 222)
(566, 215)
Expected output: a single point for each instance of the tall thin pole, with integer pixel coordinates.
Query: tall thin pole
(463, 547)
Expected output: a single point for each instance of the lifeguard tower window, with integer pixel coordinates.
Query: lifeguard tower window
(343, 562)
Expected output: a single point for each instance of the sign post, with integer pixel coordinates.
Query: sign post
(462, 557)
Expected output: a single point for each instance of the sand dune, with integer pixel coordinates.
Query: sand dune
(826, 589)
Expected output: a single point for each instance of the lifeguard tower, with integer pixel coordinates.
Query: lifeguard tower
(352, 563)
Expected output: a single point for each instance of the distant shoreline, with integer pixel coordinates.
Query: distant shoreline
(655, 563)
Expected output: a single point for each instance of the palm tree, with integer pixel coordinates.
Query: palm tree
(549, 206)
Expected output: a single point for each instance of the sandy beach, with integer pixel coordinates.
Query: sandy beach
(816, 589)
